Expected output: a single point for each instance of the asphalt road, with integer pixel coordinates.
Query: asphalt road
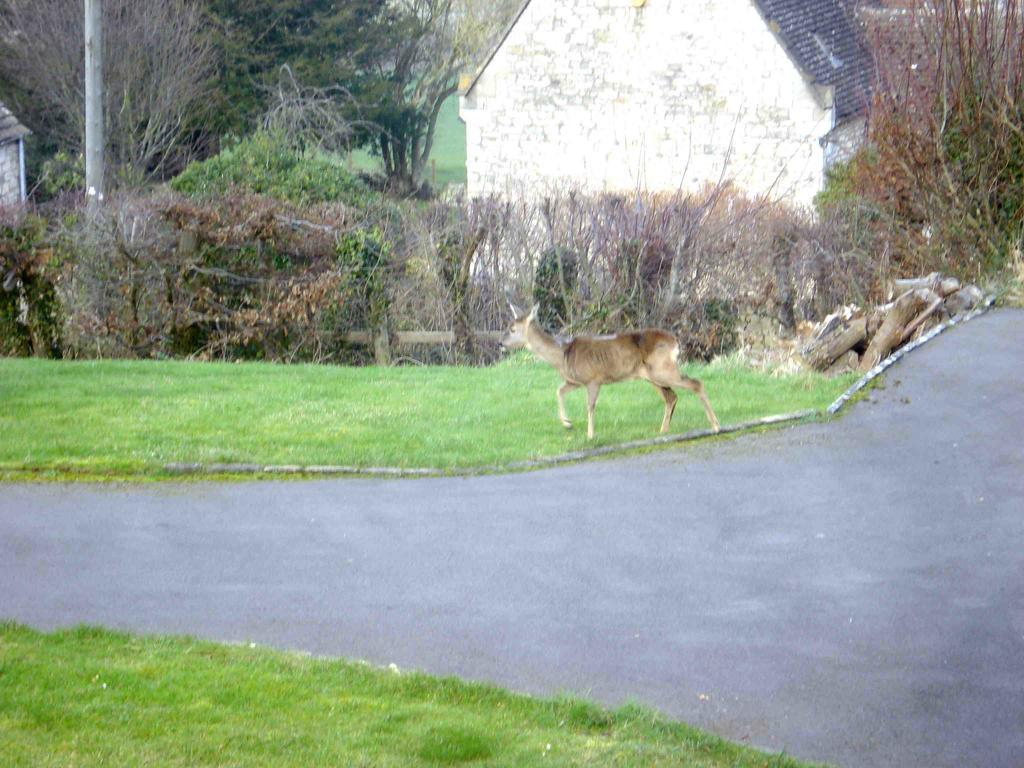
(851, 592)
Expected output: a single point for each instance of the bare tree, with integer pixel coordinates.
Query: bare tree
(158, 67)
(435, 42)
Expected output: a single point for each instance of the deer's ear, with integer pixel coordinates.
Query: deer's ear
(516, 314)
(533, 312)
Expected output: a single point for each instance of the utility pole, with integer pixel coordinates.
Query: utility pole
(94, 142)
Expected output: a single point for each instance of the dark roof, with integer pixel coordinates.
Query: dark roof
(10, 128)
(821, 37)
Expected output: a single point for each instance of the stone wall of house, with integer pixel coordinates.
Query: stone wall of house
(605, 96)
(10, 174)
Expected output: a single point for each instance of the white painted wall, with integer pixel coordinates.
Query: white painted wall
(10, 174)
(603, 96)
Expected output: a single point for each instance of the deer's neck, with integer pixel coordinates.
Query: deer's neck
(544, 346)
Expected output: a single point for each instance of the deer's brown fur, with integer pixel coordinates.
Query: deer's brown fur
(591, 361)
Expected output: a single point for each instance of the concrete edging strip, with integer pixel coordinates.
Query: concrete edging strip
(550, 461)
(899, 354)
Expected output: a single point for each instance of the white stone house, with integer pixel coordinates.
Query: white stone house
(661, 95)
(12, 158)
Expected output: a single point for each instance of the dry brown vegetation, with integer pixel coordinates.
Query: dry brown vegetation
(251, 277)
(945, 173)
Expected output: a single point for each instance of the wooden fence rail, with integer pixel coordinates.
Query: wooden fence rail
(384, 341)
(401, 338)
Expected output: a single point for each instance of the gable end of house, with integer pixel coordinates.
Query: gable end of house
(819, 36)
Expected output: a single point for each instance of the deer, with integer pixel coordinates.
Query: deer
(592, 361)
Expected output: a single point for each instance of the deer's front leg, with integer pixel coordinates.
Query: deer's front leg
(562, 392)
(592, 392)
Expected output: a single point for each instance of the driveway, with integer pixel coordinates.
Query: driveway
(849, 592)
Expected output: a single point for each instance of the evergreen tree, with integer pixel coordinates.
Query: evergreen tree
(325, 43)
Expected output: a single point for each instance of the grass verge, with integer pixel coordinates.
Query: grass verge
(88, 697)
(131, 418)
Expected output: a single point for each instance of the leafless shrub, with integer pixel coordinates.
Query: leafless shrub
(703, 265)
(158, 64)
(947, 127)
(114, 287)
(252, 277)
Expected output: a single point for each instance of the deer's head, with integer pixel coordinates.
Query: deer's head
(515, 335)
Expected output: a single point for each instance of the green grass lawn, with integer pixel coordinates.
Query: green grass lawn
(86, 697)
(448, 152)
(133, 417)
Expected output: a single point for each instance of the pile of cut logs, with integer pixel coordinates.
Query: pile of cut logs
(854, 339)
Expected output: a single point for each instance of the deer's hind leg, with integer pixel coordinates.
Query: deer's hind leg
(562, 392)
(670, 397)
(698, 389)
(672, 378)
